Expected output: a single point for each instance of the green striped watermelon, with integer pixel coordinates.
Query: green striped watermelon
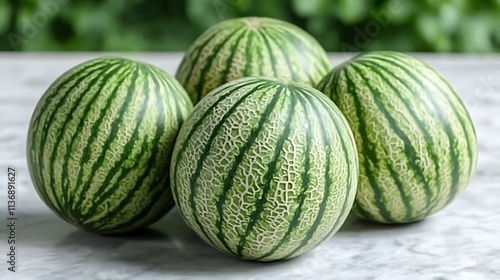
(416, 142)
(251, 46)
(263, 169)
(100, 142)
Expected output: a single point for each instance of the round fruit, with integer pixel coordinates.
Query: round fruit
(416, 142)
(100, 141)
(252, 46)
(264, 170)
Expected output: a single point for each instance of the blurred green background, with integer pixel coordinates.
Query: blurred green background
(168, 25)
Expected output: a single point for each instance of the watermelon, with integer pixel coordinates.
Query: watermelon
(263, 169)
(100, 141)
(252, 46)
(416, 141)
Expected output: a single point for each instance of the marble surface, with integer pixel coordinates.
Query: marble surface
(460, 242)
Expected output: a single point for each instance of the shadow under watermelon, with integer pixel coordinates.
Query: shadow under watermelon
(168, 247)
(355, 224)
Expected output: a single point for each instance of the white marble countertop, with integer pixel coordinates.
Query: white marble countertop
(460, 242)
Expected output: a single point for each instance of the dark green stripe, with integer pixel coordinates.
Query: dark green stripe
(171, 93)
(37, 162)
(304, 45)
(200, 85)
(343, 129)
(171, 98)
(328, 84)
(409, 150)
(107, 191)
(145, 148)
(154, 189)
(437, 109)
(463, 122)
(156, 206)
(284, 53)
(318, 53)
(249, 47)
(270, 53)
(168, 92)
(467, 122)
(307, 53)
(52, 92)
(69, 148)
(448, 94)
(111, 136)
(294, 223)
(124, 172)
(326, 194)
(361, 212)
(368, 153)
(272, 166)
(185, 79)
(155, 185)
(194, 178)
(195, 126)
(181, 102)
(48, 124)
(420, 125)
(404, 196)
(229, 62)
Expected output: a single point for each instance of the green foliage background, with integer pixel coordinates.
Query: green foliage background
(168, 25)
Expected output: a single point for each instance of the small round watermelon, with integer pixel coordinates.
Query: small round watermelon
(251, 46)
(416, 141)
(264, 170)
(100, 142)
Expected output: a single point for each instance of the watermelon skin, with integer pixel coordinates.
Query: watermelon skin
(100, 141)
(252, 46)
(264, 170)
(417, 144)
